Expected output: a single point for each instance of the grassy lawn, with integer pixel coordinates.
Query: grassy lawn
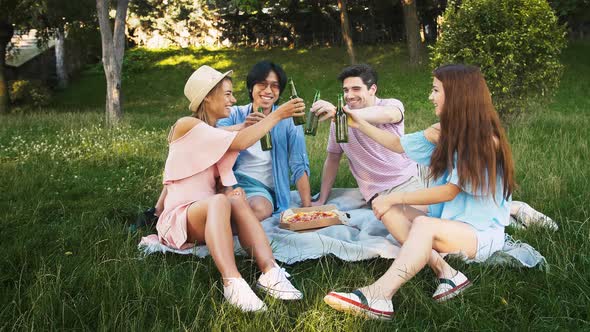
(70, 187)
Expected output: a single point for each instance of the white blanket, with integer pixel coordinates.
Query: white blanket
(365, 237)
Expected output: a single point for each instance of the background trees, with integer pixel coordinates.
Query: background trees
(516, 43)
(113, 49)
(238, 23)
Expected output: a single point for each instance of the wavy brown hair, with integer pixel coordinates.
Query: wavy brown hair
(471, 129)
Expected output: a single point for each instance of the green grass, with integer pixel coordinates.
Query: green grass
(70, 187)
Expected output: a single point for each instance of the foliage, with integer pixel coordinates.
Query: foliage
(29, 92)
(516, 43)
(575, 12)
(156, 23)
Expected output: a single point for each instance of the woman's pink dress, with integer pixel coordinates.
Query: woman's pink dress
(194, 162)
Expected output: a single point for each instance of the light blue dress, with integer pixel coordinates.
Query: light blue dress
(481, 211)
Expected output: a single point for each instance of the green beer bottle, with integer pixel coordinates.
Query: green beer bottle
(341, 122)
(311, 127)
(297, 120)
(265, 141)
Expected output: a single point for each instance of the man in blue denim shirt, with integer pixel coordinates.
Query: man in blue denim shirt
(266, 176)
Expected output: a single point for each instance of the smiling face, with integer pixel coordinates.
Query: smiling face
(220, 101)
(356, 93)
(437, 96)
(266, 93)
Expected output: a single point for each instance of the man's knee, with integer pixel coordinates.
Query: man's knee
(261, 207)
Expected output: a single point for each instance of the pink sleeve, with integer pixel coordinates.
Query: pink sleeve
(200, 148)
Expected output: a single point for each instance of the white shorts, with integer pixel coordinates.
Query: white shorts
(488, 242)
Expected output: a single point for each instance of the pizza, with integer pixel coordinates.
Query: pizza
(301, 217)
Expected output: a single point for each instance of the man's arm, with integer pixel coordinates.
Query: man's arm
(329, 173)
(304, 190)
(379, 114)
(372, 114)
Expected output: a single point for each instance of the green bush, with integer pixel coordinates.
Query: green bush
(34, 93)
(516, 43)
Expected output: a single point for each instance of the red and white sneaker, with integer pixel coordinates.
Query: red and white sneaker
(449, 288)
(239, 293)
(356, 303)
(276, 284)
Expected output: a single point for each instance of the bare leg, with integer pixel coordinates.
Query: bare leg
(426, 234)
(398, 221)
(261, 206)
(250, 232)
(209, 222)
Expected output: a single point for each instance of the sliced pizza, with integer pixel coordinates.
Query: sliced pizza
(301, 217)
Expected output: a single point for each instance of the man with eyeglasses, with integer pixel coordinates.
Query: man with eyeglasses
(266, 176)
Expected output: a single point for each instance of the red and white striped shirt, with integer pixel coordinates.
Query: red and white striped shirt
(374, 167)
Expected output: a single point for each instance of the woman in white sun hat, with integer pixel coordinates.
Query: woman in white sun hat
(200, 160)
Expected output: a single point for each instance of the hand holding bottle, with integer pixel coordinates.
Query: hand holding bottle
(292, 108)
(324, 109)
(253, 118)
(354, 119)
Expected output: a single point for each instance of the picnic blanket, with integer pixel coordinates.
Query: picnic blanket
(364, 237)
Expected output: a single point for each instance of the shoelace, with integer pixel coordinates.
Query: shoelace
(283, 271)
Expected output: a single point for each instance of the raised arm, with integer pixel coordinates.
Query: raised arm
(383, 137)
(372, 114)
(379, 114)
(249, 135)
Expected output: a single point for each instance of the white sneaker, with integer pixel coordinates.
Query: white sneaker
(449, 288)
(528, 216)
(239, 293)
(276, 284)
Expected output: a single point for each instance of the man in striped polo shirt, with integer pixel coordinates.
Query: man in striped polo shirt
(376, 169)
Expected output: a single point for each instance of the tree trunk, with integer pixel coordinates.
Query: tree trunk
(345, 25)
(113, 49)
(62, 74)
(412, 27)
(6, 32)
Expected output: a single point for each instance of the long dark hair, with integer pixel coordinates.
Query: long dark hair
(471, 130)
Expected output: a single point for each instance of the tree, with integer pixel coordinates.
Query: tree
(412, 27)
(6, 32)
(113, 49)
(346, 36)
(516, 44)
(53, 20)
(12, 12)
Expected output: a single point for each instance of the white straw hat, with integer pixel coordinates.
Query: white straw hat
(201, 82)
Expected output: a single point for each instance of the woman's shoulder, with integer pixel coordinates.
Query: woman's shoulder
(182, 126)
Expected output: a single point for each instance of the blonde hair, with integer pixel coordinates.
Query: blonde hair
(201, 111)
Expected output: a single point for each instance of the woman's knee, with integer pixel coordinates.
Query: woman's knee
(423, 225)
(219, 201)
